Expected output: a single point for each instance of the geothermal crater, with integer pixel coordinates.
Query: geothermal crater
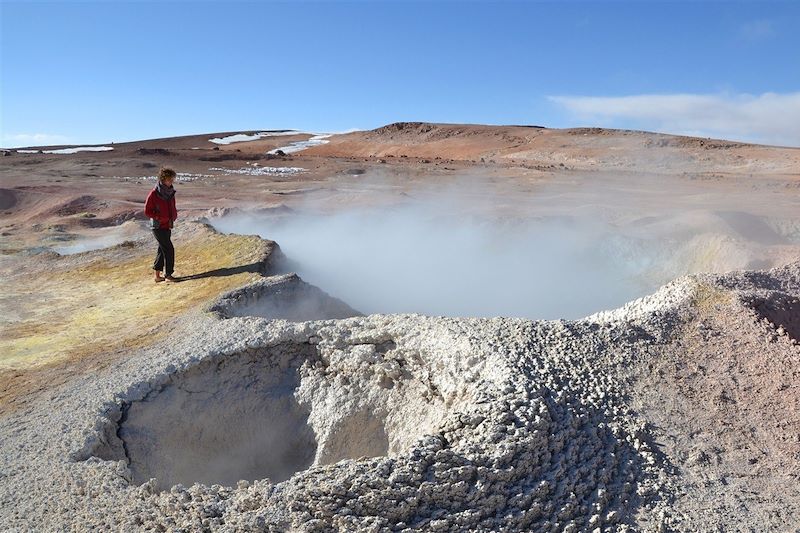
(269, 412)
(493, 424)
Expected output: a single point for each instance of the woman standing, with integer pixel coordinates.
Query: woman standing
(160, 209)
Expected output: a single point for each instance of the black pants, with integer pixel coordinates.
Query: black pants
(166, 252)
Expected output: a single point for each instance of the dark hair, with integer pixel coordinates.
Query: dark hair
(165, 173)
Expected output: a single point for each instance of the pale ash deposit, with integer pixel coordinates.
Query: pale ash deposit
(385, 423)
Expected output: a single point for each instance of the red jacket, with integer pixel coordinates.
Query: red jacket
(159, 209)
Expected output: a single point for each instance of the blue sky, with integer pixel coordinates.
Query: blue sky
(102, 71)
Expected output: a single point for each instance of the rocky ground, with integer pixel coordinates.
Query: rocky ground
(243, 399)
(677, 412)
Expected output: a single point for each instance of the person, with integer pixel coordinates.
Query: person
(160, 209)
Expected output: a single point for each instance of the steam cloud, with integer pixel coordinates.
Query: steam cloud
(413, 258)
(562, 252)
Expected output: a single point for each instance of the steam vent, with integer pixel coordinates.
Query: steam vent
(256, 418)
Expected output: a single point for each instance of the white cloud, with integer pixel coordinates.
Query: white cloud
(767, 118)
(15, 140)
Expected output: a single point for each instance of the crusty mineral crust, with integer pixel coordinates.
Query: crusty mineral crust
(283, 296)
(490, 424)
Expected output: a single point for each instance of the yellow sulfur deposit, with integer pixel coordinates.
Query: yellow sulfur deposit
(102, 300)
